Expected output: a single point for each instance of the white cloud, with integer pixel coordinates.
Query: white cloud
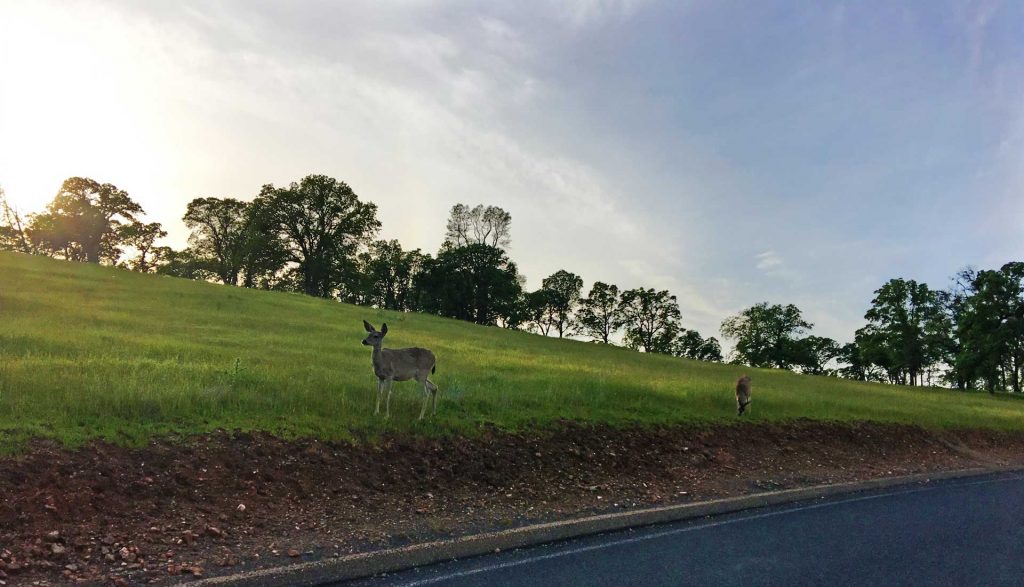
(769, 261)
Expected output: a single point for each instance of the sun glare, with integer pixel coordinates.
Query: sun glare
(68, 105)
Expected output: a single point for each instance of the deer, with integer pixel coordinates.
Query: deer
(742, 394)
(390, 365)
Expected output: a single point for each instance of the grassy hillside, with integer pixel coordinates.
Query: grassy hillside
(90, 352)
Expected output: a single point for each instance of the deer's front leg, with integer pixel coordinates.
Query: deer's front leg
(380, 392)
(387, 404)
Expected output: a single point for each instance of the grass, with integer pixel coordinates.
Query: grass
(94, 352)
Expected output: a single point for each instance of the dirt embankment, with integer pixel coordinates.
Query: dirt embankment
(217, 504)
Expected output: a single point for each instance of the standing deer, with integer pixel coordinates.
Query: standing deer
(390, 365)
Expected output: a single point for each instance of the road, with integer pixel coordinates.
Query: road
(966, 532)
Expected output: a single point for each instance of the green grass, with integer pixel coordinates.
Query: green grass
(93, 352)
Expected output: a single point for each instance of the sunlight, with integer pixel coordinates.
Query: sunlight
(70, 104)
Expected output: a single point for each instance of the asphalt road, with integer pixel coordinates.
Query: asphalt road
(967, 532)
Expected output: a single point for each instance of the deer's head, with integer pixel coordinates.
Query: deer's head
(373, 337)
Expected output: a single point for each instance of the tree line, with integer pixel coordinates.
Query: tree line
(317, 237)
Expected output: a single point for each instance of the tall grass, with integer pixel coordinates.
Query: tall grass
(93, 352)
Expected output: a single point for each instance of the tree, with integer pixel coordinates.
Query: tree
(855, 366)
(906, 332)
(142, 237)
(954, 303)
(990, 329)
(692, 345)
(322, 224)
(538, 310)
(218, 236)
(766, 334)
(514, 312)
(183, 264)
(264, 254)
(599, 315)
(563, 295)
(388, 273)
(83, 220)
(480, 225)
(813, 354)
(650, 318)
(477, 283)
(12, 228)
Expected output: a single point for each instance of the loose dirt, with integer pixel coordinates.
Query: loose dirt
(216, 504)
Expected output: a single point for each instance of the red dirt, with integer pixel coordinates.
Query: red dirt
(217, 504)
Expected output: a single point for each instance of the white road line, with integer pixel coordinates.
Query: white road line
(635, 539)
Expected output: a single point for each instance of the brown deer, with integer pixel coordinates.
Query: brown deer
(742, 394)
(390, 365)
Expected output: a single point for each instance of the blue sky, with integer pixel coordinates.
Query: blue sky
(791, 152)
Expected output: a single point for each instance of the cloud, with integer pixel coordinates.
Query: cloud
(769, 261)
(584, 13)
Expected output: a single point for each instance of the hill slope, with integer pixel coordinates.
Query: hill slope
(89, 352)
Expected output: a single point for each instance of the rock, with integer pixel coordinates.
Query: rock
(214, 531)
(57, 549)
(196, 571)
(71, 567)
(293, 553)
(53, 536)
(241, 507)
(109, 558)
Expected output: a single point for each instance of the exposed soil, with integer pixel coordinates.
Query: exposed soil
(216, 504)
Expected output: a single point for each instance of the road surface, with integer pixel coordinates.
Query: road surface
(966, 532)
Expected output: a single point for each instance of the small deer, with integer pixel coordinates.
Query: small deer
(390, 365)
(742, 394)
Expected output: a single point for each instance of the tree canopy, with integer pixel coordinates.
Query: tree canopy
(83, 221)
(480, 225)
(766, 334)
(990, 329)
(476, 282)
(692, 345)
(906, 330)
(322, 224)
(599, 316)
(558, 300)
(650, 319)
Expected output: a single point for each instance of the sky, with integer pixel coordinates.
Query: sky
(730, 152)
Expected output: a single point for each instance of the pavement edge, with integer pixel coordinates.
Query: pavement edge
(366, 564)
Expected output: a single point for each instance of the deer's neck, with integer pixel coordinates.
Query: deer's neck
(377, 356)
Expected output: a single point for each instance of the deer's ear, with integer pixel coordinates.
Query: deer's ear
(384, 328)
(367, 326)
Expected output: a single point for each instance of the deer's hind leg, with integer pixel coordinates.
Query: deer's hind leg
(433, 397)
(427, 385)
